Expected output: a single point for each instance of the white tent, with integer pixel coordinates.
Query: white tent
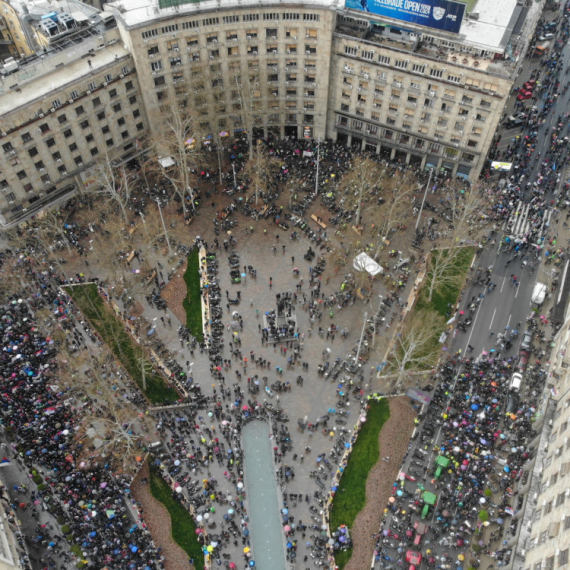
(363, 262)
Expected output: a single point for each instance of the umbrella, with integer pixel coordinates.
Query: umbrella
(287, 528)
(500, 521)
(246, 549)
(232, 565)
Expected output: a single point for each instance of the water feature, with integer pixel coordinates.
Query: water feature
(266, 531)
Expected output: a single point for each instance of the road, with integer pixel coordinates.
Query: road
(506, 305)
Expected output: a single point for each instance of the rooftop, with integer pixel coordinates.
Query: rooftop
(492, 28)
(23, 87)
(136, 13)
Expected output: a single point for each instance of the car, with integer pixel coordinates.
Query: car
(512, 404)
(524, 95)
(530, 85)
(516, 381)
(414, 559)
(514, 123)
(539, 293)
(526, 341)
(523, 360)
(517, 118)
(546, 36)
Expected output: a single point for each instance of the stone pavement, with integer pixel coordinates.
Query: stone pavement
(317, 394)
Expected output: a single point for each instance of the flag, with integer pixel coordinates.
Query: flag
(5, 461)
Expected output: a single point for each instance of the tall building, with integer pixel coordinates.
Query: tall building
(421, 83)
(543, 533)
(62, 112)
(15, 38)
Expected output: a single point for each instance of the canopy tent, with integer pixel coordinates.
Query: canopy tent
(363, 262)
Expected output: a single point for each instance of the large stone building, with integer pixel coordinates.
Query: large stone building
(543, 533)
(314, 70)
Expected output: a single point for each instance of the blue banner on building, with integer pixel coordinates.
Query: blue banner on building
(439, 14)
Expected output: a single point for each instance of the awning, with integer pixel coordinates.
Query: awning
(363, 262)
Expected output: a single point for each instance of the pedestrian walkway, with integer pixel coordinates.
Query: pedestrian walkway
(520, 222)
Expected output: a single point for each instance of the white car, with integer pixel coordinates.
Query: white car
(516, 382)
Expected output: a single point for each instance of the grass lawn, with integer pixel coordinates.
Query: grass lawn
(183, 526)
(350, 498)
(445, 295)
(193, 301)
(123, 346)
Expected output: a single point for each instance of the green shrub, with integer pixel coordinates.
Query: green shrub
(65, 529)
(488, 493)
(183, 525)
(41, 487)
(37, 479)
(193, 301)
(483, 515)
(76, 549)
(131, 355)
(350, 497)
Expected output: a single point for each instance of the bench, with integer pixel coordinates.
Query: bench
(319, 221)
(130, 256)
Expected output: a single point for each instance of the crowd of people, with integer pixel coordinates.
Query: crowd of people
(83, 494)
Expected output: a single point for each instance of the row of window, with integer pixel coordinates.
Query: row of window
(275, 16)
(62, 170)
(92, 86)
(418, 68)
(549, 563)
(73, 147)
(271, 49)
(404, 138)
(271, 34)
(381, 80)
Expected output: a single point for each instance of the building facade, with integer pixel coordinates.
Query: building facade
(64, 119)
(545, 534)
(15, 40)
(300, 69)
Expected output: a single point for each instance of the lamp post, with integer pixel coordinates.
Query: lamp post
(365, 316)
(424, 200)
(380, 297)
(164, 227)
(234, 171)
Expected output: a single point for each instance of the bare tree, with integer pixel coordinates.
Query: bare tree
(413, 348)
(464, 210)
(249, 96)
(258, 169)
(395, 194)
(52, 226)
(114, 184)
(361, 180)
(179, 151)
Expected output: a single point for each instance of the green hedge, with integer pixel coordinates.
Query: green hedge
(350, 497)
(112, 331)
(193, 301)
(183, 526)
